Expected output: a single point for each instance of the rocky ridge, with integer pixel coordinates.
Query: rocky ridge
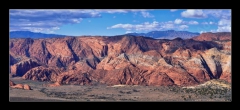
(127, 60)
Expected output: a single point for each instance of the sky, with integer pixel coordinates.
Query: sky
(108, 22)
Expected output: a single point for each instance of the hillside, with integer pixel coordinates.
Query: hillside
(127, 60)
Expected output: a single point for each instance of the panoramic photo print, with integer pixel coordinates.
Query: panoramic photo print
(130, 55)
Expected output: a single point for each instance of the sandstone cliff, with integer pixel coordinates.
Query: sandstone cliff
(123, 60)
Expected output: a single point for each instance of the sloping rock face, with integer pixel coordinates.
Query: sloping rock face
(42, 73)
(123, 60)
(11, 83)
(20, 68)
(213, 36)
(12, 60)
(26, 87)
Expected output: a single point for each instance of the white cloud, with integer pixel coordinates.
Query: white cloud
(213, 31)
(148, 26)
(193, 14)
(178, 21)
(120, 10)
(168, 26)
(223, 22)
(222, 14)
(224, 25)
(193, 22)
(172, 10)
(137, 27)
(204, 22)
(224, 29)
(211, 22)
(182, 27)
(208, 23)
(146, 14)
(213, 17)
(77, 20)
(55, 28)
(202, 32)
(44, 19)
(128, 32)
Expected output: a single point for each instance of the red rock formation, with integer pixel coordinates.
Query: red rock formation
(11, 83)
(18, 86)
(26, 87)
(160, 79)
(42, 73)
(123, 60)
(72, 77)
(20, 47)
(12, 60)
(20, 68)
(213, 36)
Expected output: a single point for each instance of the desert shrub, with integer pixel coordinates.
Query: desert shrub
(121, 92)
(102, 97)
(128, 92)
(134, 90)
(91, 95)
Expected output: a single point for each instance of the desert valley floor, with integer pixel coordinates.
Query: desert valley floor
(39, 92)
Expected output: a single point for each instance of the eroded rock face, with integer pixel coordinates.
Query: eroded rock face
(213, 36)
(11, 83)
(12, 60)
(42, 73)
(20, 68)
(19, 86)
(26, 87)
(123, 60)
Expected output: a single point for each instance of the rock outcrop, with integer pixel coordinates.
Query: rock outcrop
(26, 87)
(11, 83)
(213, 36)
(42, 73)
(19, 86)
(20, 68)
(123, 60)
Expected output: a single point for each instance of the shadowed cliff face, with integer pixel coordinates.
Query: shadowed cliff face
(121, 60)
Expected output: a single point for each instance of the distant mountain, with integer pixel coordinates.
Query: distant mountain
(28, 34)
(170, 34)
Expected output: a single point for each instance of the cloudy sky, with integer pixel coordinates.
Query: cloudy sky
(118, 21)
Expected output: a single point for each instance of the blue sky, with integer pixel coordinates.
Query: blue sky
(109, 22)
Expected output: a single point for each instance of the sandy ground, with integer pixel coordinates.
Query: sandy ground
(108, 93)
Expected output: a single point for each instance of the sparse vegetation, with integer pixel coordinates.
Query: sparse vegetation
(136, 93)
(134, 90)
